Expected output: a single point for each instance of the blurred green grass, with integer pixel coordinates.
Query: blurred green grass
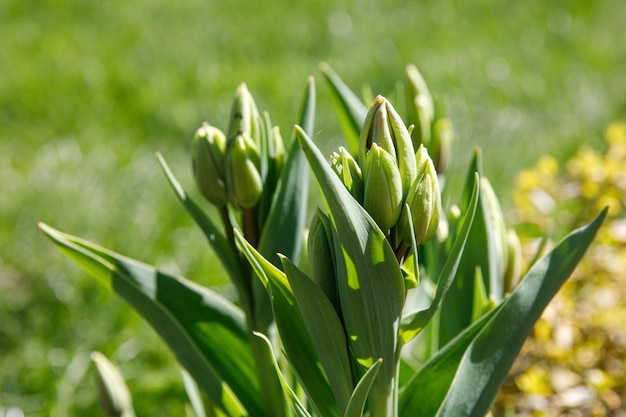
(90, 90)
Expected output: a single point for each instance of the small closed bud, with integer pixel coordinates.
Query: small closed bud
(514, 261)
(498, 225)
(321, 256)
(383, 187)
(424, 203)
(422, 132)
(243, 179)
(208, 164)
(244, 115)
(441, 144)
(384, 127)
(277, 147)
(349, 172)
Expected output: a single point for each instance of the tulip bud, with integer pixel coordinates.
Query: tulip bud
(243, 179)
(321, 256)
(441, 143)
(383, 187)
(244, 115)
(277, 146)
(384, 127)
(208, 164)
(349, 172)
(498, 225)
(514, 261)
(424, 203)
(420, 108)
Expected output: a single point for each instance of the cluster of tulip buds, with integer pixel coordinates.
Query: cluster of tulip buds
(236, 168)
(396, 183)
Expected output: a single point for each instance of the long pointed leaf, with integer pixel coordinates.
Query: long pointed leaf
(291, 396)
(326, 331)
(349, 107)
(369, 274)
(206, 332)
(282, 232)
(491, 354)
(213, 233)
(296, 341)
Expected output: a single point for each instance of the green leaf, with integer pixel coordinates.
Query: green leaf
(356, 405)
(214, 235)
(483, 353)
(423, 394)
(206, 332)
(368, 274)
(292, 398)
(296, 342)
(326, 332)
(284, 225)
(491, 354)
(349, 108)
(415, 323)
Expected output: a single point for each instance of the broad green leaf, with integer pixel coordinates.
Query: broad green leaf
(423, 394)
(492, 352)
(415, 323)
(214, 235)
(284, 225)
(206, 332)
(356, 405)
(368, 274)
(326, 332)
(291, 396)
(296, 342)
(115, 398)
(349, 108)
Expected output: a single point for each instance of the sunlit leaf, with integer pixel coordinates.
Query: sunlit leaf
(206, 332)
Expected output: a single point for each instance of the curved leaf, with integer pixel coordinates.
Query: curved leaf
(282, 232)
(214, 235)
(491, 354)
(206, 332)
(296, 342)
(349, 108)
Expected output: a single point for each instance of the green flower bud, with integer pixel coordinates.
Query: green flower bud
(207, 156)
(424, 203)
(420, 108)
(514, 261)
(498, 225)
(384, 127)
(321, 256)
(277, 149)
(349, 172)
(243, 179)
(383, 187)
(244, 115)
(441, 144)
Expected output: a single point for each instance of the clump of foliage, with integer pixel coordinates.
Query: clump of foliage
(575, 361)
(408, 307)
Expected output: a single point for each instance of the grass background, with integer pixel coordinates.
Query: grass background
(90, 90)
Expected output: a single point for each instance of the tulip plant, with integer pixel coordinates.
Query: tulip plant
(406, 306)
